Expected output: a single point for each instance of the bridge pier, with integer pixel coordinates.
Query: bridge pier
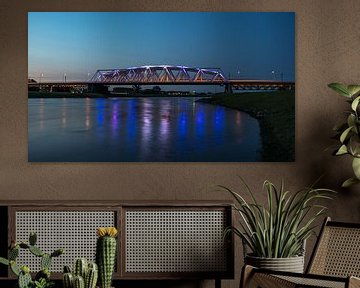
(98, 88)
(228, 88)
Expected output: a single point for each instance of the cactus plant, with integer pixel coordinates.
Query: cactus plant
(80, 268)
(68, 280)
(14, 268)
(36, 251)
(91, 276)
(105, 254)
(32, 238)
(79, 282)
(84, 274)
(13, 253)
(24, 280)
(45, 261)
(42, 278)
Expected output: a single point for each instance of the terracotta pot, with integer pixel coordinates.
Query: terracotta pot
(291, 264)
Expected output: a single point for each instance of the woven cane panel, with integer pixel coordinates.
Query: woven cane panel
(74, 231)
(308, 282)
(175, 241)
(338, 253)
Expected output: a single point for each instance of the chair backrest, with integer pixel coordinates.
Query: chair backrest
(337, 251)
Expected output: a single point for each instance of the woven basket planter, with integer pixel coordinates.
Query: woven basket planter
(291, 264)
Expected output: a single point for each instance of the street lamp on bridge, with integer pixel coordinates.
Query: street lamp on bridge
(273, 72)
(237, 73)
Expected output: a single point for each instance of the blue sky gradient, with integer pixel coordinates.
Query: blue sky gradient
(247, 45)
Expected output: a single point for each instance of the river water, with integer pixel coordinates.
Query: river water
(150, 129)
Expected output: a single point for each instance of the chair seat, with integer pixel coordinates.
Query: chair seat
(263, 278)
(314, 282)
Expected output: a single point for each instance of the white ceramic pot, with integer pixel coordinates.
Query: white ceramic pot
(291, 264)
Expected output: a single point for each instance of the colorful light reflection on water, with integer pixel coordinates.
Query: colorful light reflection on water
(139, 129)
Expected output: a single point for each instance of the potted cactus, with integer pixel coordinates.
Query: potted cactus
(85, 275)
(42, 278)
(106, 254)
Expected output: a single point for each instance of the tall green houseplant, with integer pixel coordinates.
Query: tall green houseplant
(348, 132)
(279, 228)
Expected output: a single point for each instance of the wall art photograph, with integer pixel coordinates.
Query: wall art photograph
(161, 86)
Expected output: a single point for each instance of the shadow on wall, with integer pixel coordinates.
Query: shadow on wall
(333, 170)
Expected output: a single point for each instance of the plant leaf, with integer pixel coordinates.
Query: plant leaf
(355, 103)
(340, 88)
(345, 134)
(353, 89)
(342, 150)
(4, 261)
(356, 167)
(14, 268)
(349, 182)
(355, 145)
(351, 120)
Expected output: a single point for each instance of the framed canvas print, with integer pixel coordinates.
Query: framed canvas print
(161, 86)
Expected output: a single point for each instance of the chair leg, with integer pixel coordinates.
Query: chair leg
(217, 282)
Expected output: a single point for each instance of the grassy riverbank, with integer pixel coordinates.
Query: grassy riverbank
(276, 114)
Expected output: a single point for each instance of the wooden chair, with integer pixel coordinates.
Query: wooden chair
(334, 263)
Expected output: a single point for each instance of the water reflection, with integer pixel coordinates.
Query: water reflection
(142, 129)
(219, 123)
(146, 128)
(87, 113)
(165, 119)
(131, 119)
(238, 118)
(41, 113)
(200, 121)
(182, 124)
(115, 118)
(100, 108)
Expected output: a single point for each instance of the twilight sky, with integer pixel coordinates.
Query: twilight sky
(243, 44)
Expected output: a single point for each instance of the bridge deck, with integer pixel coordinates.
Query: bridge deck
(204, 82)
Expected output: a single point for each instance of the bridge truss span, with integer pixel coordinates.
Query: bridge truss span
(159, 74)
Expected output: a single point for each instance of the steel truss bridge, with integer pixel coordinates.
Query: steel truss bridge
(167, 75)
(159, 74)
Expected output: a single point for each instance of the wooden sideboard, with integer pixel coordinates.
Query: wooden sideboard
(164, 240)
